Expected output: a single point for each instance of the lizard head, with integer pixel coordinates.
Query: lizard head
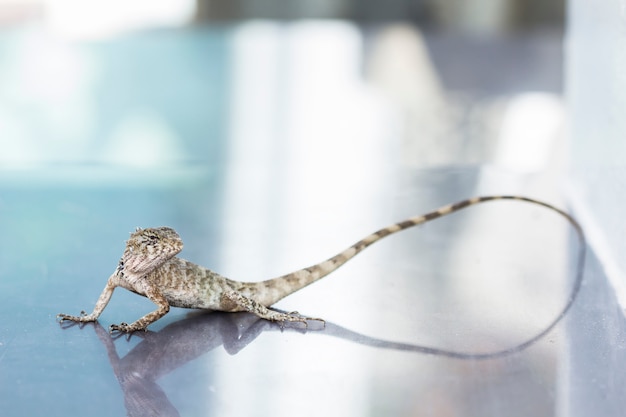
(150, 248)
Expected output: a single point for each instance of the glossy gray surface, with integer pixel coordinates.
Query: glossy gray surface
(222, 364)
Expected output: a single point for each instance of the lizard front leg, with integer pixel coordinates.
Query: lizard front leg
(252, 306)
(102, 302)
(157, 298)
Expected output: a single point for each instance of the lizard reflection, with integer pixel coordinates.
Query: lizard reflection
(159, 353)
(185, 340)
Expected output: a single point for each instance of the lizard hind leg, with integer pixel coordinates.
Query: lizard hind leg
(254, 307)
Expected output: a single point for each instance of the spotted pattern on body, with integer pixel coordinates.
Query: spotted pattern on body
(149, 267)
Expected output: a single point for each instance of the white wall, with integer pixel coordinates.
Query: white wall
(596, 95)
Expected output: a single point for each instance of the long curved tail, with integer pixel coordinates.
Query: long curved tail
(272, 290)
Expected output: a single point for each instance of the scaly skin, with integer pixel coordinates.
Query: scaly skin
(149, 267)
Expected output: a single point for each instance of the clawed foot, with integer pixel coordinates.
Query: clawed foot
(83, 318)
(124, 328)
(295, 317)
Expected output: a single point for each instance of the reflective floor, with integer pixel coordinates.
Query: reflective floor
(266, 171)
(415, 325)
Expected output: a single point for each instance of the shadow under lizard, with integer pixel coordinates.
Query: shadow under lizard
(149, 267)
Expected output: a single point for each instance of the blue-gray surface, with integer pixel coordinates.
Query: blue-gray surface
(60, 244)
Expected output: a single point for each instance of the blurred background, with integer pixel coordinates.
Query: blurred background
(94, 82)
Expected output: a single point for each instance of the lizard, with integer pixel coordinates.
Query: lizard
(149, 267)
